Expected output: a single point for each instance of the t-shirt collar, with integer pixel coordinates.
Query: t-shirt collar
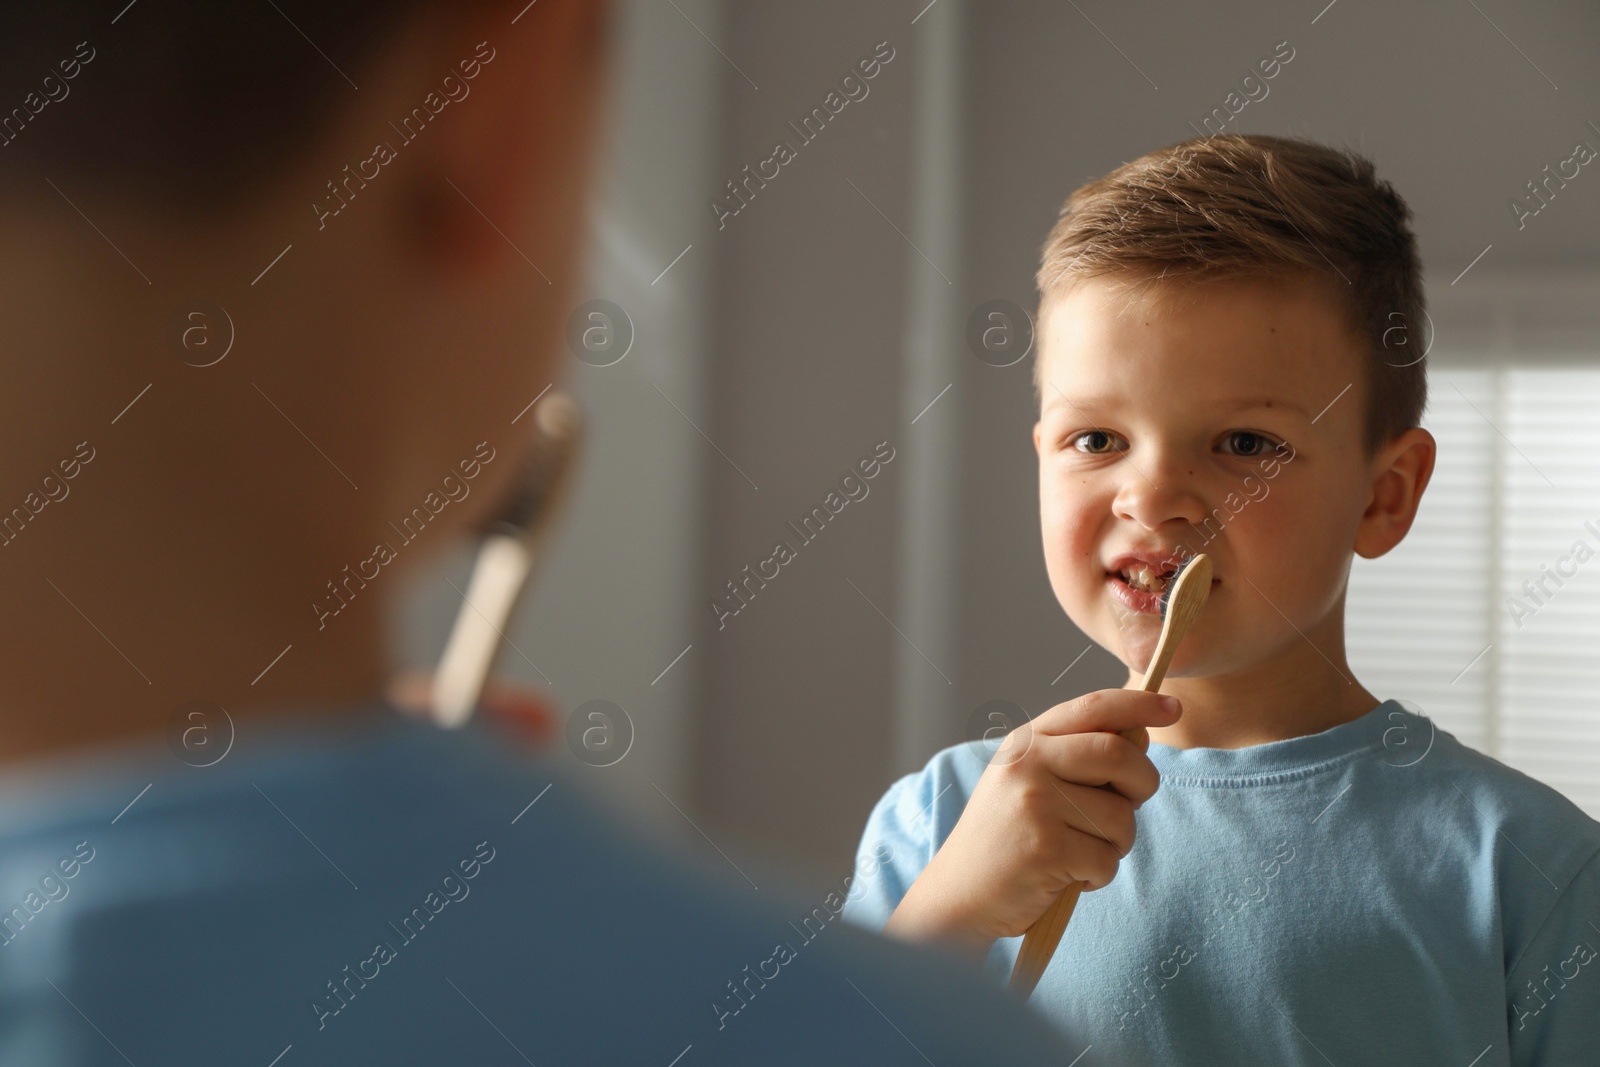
(1388, 725)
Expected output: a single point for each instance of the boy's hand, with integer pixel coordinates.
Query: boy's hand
(1036, 822)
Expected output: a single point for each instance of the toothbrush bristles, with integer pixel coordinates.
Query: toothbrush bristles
(1172, 583)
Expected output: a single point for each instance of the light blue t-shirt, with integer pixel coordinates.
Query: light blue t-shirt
(1375, 893)
(384, 892)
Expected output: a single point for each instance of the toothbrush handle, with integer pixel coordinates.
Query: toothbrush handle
(498, 575)
(1184, 599)
(1039, 943)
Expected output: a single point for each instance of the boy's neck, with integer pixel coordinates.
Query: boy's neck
(1305, 689)
(70, 687)
(181, 563)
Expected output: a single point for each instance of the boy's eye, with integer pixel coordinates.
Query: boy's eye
(1247, 443)
(1094, 442)
(1250, 443)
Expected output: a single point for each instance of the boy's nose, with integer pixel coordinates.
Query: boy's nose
(1157, 490)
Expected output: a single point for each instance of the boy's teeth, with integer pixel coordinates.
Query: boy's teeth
(1143, 578)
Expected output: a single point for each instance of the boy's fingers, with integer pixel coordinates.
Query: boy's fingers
(1110, 710)
(1097, 759)
(1099, 812)
(1092, 859)
(525, 711)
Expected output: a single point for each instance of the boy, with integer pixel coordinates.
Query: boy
(1322, 877)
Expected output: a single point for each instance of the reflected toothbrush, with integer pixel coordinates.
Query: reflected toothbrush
(514, 544)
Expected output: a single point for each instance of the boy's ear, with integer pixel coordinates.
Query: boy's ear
(1401, 471)
(498, 165)
(1036, 436)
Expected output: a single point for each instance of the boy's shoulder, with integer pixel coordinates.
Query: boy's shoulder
(1533, 818)
(956, 767)
(1526, 854)
(916, 813)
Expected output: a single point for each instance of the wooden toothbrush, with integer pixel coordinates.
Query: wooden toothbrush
(1181, 601)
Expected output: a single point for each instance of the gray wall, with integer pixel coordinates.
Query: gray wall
(807, 309)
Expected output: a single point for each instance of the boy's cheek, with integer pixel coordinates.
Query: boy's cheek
(1065, 581)
(1075, 576)
(1293, 550)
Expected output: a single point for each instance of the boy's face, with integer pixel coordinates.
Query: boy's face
(1222, 418)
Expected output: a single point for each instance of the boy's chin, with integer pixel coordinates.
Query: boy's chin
(1135, 652)
(1132, 638)
(1136, 647)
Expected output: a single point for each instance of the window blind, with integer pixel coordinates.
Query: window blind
(1487, 616)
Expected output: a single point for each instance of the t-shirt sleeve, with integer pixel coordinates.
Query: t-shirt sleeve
(897, 844)
(1553, 989)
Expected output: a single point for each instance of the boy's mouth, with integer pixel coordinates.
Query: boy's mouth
(1139, 580)
(1134, 598)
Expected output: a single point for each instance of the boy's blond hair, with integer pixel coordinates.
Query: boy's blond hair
(1238, 207)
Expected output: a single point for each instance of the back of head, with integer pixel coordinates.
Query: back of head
(184, 105)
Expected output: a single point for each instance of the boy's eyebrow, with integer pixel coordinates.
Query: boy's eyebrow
(1246, 403)
(1250, 402)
